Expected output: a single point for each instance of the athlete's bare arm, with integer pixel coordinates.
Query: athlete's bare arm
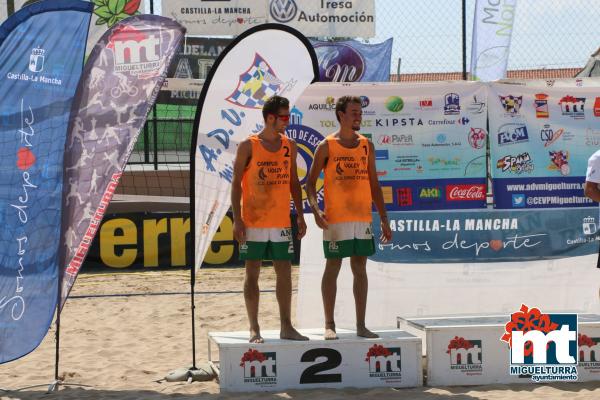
(296, 191)
(377, 195)
(592, 191)
(319, 162)
(242, 158)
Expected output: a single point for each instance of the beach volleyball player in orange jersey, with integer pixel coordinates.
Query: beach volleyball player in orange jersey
(351, 186)
(264, 178)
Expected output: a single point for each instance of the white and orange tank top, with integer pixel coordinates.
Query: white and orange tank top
(347, 187)
(266, 186)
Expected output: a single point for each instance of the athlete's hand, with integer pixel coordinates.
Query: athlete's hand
(301, 226)
(320, 219)
(386, 231)
(239, 231)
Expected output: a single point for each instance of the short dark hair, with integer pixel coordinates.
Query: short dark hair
(273, 104)
(343, 102)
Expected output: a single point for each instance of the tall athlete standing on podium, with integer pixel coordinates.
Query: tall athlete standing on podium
(264, 177)
(351, 186)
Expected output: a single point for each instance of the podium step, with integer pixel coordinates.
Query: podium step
(485, 359)
(392, 360)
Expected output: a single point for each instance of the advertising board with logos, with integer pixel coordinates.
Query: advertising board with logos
(430, 139)
(350, 18)
(541, 136)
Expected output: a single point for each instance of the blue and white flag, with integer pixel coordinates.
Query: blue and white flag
(492, 31)
(41, 58)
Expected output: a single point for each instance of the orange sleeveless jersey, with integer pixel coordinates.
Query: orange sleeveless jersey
(347, 187)
(266, 186)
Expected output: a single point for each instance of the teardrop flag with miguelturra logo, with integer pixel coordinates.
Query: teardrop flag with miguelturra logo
(120, 83)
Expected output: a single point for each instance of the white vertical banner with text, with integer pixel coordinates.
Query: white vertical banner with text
(492, 32)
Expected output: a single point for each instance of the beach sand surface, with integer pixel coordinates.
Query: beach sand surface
(123, 332)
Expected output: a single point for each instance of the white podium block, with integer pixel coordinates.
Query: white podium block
(487, 359)
(588, 368)
(393, 360)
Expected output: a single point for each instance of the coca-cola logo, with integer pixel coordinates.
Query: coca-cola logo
(465, 192)
(339, 62)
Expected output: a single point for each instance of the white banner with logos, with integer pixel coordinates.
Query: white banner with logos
(228, 17)
(542, 134)
(326, 18)
(429, 138)
(492, 31)
(313, 18)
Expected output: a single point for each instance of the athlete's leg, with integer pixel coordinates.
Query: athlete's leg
(283, 269)
(329, 291)
(251, 296)
(361, 289)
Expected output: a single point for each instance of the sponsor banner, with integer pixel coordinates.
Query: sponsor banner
(540, 193)
(434, 194)
(265, 61)
(161, 240)
(488, 236)
(193, 60)
(119, 85)
(421, 133)
(541, 137)
(312, 18)
(215, 17)
(352, 61)
(42, 49)
(492, 32)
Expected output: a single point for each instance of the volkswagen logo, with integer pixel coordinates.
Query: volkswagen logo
(283, 10)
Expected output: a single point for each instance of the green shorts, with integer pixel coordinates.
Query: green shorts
(267, 244)
(348, 239)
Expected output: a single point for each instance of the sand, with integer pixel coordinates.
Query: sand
(121, 346)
